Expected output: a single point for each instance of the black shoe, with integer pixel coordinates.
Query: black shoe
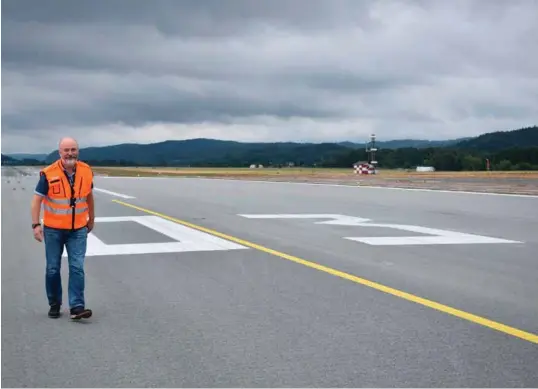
(54, 311)
(80, 313)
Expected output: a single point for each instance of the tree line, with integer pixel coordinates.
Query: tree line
(445, 159)
(327, 155)
(442, 159)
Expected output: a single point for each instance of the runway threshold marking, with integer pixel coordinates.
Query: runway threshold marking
(528, 336)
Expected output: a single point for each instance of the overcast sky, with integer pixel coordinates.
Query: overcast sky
(302, 70)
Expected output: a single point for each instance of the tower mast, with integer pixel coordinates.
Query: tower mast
(371, 149)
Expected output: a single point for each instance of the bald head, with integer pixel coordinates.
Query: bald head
(68, 149)
(68, 142)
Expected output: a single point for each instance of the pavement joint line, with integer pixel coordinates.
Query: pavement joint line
(528, 336)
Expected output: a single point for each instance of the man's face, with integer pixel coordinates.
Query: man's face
(69, 154)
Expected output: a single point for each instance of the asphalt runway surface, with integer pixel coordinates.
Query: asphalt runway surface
(278, 301)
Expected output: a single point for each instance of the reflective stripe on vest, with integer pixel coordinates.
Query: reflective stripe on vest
(65, 201)
(64, 211)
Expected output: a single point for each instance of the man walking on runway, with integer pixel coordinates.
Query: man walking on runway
(65, 191)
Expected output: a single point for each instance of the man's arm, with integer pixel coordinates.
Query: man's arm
(40, 192)
(91, 204)
(36, 208)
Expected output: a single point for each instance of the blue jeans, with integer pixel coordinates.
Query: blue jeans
(75, 243)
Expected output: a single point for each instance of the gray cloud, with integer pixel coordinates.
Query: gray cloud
(281, 70)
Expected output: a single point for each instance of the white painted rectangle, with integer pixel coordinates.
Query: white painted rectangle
(187, 239)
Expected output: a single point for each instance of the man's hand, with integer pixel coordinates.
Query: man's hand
(90, 225)
(38, 233)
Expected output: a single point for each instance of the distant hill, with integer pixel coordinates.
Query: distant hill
(198, 152)
(201, 151)
(7, 160)
(40, 157)
(206, 152)
(404, 143)
(456, 154)
(500, 140)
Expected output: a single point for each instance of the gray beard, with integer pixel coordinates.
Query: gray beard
(69, 162)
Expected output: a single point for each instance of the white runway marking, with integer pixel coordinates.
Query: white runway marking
(113, 193)
(187, 239)
(438, 236)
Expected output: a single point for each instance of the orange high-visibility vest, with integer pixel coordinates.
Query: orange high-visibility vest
(64, 206)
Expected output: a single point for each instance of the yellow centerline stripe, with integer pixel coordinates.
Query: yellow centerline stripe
(395, 292)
